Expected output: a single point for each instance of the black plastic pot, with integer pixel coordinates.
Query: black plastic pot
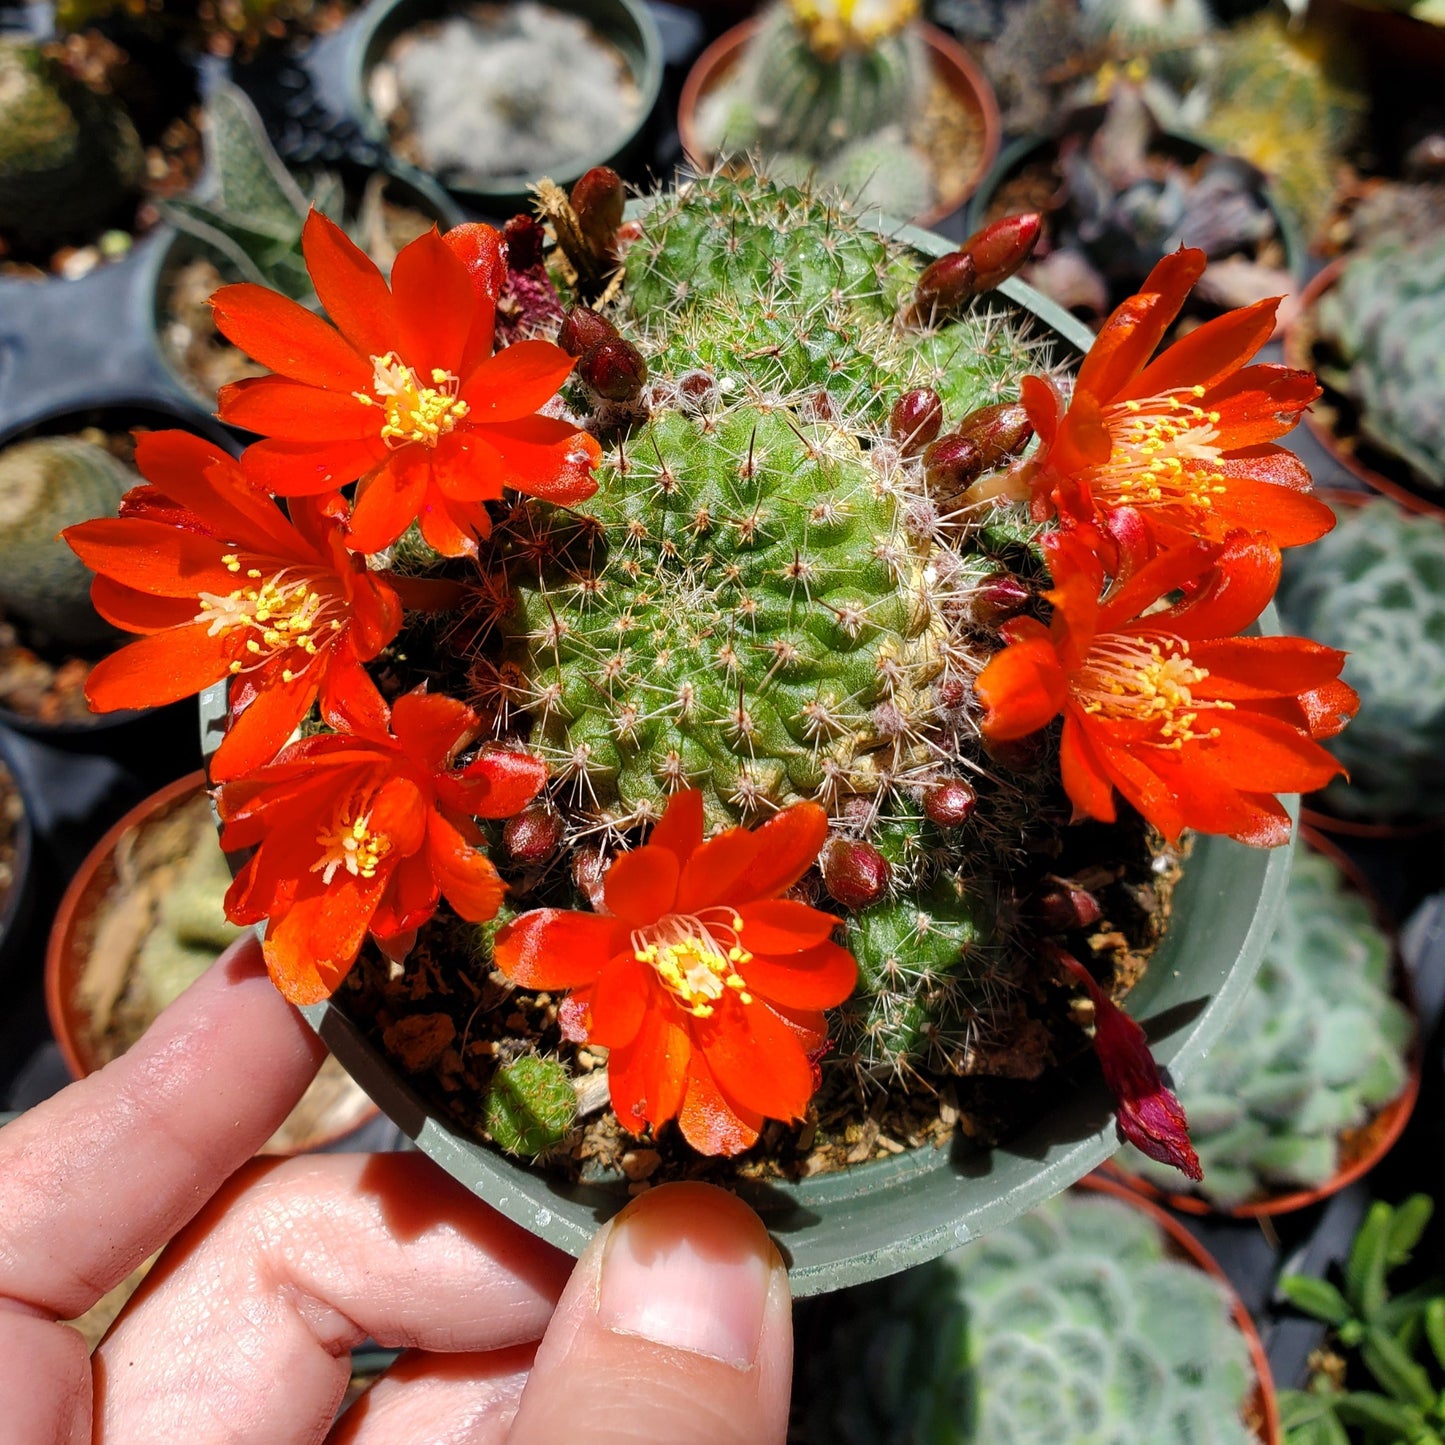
(627, 24)
(15, 904)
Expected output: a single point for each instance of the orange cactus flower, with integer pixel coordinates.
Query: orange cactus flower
(704, 983)
(221, 585)
(1188, 439)
(362, 834)
(1195, 727)
(402, 393)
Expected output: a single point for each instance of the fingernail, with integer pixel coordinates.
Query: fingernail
(688, 1266)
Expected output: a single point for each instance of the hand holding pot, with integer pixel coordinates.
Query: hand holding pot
(674, 1326)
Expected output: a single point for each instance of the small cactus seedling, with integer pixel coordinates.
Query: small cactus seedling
(1074, 1323)
(1317, 1051)
(531, 1105)
(1375, 587)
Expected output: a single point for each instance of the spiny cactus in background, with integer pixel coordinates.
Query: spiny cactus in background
(1318, 1050)
(252, 215)
(69, 158)
(782, 609)
(531, 1104)
(1375, 587)
(833, 87)
(1384, 322)
(190, 930)
(1145, 25)
(1279, 95)
(46, 484)
(1073, 1324)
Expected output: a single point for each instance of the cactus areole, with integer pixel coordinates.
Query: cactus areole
(724, 760)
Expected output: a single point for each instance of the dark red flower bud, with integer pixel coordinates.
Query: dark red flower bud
(1000, 431)
(855, 873)
(916, 419)
(583, 328)
(1063, 907)
(534, 834)
(1001, 596)
(526, 243)
(950, 464)
(589, 868)
(697, 390)
(1001, 247)
(599, 199)
(614, 369)
(945, 287)
(950, 803)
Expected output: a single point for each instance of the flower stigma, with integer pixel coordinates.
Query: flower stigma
(1146, 678)
(349, 843)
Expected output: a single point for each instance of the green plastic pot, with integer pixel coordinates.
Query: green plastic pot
(873, 1219)
(627, 24)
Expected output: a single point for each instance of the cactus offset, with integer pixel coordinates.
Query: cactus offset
(1385, 322)
(530, 1105)
(1375, 587)
(46, 484)
(1073, 1323)
(1318, 1050)
(69, 158)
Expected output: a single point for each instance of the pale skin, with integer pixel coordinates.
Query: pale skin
(675, 1325)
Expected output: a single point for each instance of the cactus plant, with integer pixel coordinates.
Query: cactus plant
(1073, 1323)
(768, 525)
(1384, 323)
(46, 484)
(531, 1105)
(1317, 1051)
(1375, 587)
(69, 157)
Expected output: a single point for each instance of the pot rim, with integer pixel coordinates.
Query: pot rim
(944, 51)
(955, 1192)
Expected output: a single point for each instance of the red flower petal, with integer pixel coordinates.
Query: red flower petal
(757, 1059)
(555, 948)
(135, 611)
(1023, 687)
(640, 886)
(152, 557)
(410, 900)
(349, 286)
(516, 382)
(620, 1001)
(390, 501)
(303, 469)
(1243, 668)
(430, 726)
(680, 827)
(648, 1076)
(710, 873)
(788, 845)
(447, 527)
(263, 728)
(508, 780)
(162, 668)
(311, 948)
(544, 457)
(435, 303)
(820, 977)
(350, 701)
(1086, 779)
(466, 876)
(481, 250)
(711, 1122)
(288, 339)
(296, 411)
(779, 925)
(1209, 353)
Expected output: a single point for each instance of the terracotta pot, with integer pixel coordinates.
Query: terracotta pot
(1299, 339)
(950, 61)
(1375, 1138)
(68, 952)
(1265, 1414)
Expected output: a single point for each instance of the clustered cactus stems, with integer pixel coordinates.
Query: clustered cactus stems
(1375, 587)
(1076, 1322)
(833, 88)
(47, 484)
(1319, 1051)
(69, 158)
(1382, 327)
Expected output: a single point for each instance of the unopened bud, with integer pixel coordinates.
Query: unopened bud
(534, 834)
(583, 328)
(1000, 431)
(1001, 596)
(526, 243)
(854, 873)
(599, 200)
(696, 390)
(588, 871)
(950, 464)
(950, 803)
(945, 287)
(1063, 908)
(916, 419)
(614, 369)
(1001, 247)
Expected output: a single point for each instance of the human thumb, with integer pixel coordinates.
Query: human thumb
(676, 1326)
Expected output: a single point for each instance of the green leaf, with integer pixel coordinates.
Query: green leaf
(1387, 1361)
(1315, 1297)
(1365, 1268)
(1401, 1309)
(1434, 1317)
(1376, 1412)
(1310, 1419)
(1408, 1225)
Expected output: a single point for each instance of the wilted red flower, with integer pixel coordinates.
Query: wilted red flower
(402, 393)
(224, 586)
(706, 985)
(1151, 1117)
(1188, 438)
(361, 834)
(1195, 727)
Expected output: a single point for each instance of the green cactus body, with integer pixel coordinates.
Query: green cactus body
(1385, 319)
(1375, 587)
(68, 157)
(762, 601)
(1073, 1324)
(881, 171)
(47, 484)
(1318, 1049)
(531, 1105)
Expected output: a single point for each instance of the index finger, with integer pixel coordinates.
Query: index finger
(96, 1179)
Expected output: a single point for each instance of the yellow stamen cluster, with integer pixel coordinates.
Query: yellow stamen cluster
(697, 966)
(834, 26)
(349, 843)
(1165, 453)
(1147, 679)
(277, 613)
(414, 412)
